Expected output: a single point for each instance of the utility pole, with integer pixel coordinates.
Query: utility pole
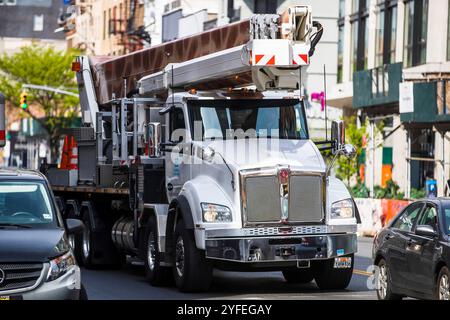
(2, 121)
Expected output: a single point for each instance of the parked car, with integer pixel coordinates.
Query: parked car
(413, 252)
(36, 259)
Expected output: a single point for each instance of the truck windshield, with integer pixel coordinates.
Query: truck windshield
(25, 203)
(235, 119)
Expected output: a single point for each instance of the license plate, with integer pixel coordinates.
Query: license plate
(342, 263)
(5, 298)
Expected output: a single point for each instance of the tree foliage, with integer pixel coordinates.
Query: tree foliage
(47, 67)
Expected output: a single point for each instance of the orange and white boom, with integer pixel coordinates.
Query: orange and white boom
(279, 45)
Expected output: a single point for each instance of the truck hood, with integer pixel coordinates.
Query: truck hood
(29, 245)
(257, 153)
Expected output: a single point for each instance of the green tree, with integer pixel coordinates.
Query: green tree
(346, 168)
(48, 67)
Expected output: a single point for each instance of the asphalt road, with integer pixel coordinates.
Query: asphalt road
(129, 283)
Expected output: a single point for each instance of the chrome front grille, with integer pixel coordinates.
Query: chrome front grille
(263, 200)
(269, 199)
(16, 276)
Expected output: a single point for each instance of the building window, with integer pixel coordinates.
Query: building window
(114, 20)
(109, 23)
(105, 24)
(120, 18)
(416, 19)
(443, 97)
(422, 146)
(386, 33)
(360, 35)
(265, 6)
(341, 23)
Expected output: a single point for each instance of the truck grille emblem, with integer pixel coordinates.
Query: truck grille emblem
(283, 178)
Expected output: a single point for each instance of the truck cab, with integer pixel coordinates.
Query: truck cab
(252, 187)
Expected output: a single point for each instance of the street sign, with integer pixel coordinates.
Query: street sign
(406, 97)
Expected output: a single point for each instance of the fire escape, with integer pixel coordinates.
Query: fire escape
(129, 27)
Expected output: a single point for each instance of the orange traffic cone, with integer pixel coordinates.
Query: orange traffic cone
(73, 165)
(65, 154)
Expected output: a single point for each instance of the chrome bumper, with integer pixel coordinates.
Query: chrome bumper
(281, 248)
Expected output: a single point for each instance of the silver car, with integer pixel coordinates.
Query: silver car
(36, 259)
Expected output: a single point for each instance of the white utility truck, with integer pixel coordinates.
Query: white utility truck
(207, 163)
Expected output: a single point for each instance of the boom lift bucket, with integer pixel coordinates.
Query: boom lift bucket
(279, 46)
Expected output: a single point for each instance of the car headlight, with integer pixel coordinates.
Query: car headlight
(216, 213)
(60, 265)
(342, 209)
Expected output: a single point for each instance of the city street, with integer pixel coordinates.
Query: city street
(129, 283)
(261, 134)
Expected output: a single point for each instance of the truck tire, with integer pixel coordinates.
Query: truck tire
(86, 243)
(298, 275)
(156, 274)
(442, 285)
(384, 288)
(97, 248)
(192, 272)
(329, 278)
(76, 239)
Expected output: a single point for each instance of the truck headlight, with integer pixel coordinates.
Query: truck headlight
(60, 265)
(216, 213)
(342, 209)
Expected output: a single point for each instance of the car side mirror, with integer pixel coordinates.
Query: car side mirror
(337, 135)
(426, 231)
(74, 226)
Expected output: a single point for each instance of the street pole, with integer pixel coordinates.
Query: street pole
(2, 121)
(46, 88)
(372, 148)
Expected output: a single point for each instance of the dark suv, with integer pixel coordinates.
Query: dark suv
(413, 252)
(36, 260)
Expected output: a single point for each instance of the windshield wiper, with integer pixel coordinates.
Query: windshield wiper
(14, 225)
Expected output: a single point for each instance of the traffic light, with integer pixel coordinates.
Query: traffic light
(23, 100)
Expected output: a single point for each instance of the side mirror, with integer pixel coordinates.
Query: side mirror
(154, 138)
(426, 231)
(348, 150)
(74, 226)
(337, 135)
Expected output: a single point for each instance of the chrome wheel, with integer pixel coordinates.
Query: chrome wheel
(179, 256)
(444, 289)
(86, 243)
(151, 251)
(382, 282)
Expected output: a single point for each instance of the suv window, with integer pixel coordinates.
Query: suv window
(429, 217)
(408, 218)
